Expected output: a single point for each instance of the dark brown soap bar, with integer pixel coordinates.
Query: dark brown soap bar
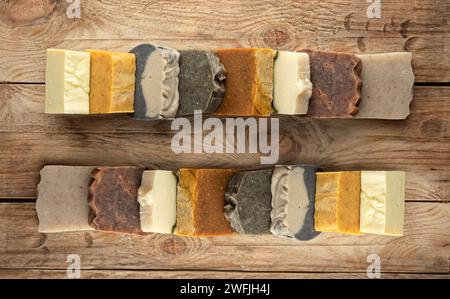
(113, 199)
(248, 201)
(336, 84)
(201, 85)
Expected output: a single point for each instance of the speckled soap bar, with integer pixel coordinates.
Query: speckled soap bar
(293, 190)
(336, 84)
(201, 84)
(113, 200)
(248, 202)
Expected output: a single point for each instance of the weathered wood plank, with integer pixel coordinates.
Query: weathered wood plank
(420, 27)
(158, 274)
(30, 139)
(423, 249)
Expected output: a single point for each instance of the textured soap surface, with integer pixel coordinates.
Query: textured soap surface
(249, 201)
(382, 202)
(157, 197)
(249, 82)
(336, 84)
(293, 191)
(112, 82)
(62, 203)
(113, 201)
(337, 202)
(201, 85)
(67, 78)
(157, 70)
(292, 87)
(200, 202)
(387, 90)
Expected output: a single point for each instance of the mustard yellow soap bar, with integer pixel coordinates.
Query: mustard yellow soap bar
(337, 202)
(67, 82)
(112, 82)
(382, 202)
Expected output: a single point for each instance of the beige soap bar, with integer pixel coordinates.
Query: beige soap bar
(387, 90)
(62, 203)
(292, 85)
(67, 78)
(157, 197)
(382, 202)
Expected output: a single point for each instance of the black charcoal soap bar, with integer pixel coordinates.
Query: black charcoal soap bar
(248, 201)
(201, 85)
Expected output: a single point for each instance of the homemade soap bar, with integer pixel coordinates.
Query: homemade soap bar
(157, 197)
(292, 87)
(336, 84)
(200, 202)
(156, 92)
(337, 201)
(382, 202)
(201, 84)
(249, 201)
(113, 199)
(62, 204)
(67, 82)
(293, 190)
(249, 82)
(387, 90)
(112, 82)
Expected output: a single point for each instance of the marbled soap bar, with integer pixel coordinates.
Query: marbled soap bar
(62, 203)
(292, 87)
(112, 82)
(201, 84)
(387, 90)
(293, 190)
(249, 201)
(382, 202)
(67, 78)
(249, 82)
(337, 201)
(156, 92)
(200, 202)
(157, 197)
(336, 84)
(113, 199)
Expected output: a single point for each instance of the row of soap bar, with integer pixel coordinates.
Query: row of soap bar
(290, 201)
(153, 81)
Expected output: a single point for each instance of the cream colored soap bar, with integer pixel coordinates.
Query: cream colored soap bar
(292, 85)
(157, 197)
(67, 82)
(382, 202)
(387, 89)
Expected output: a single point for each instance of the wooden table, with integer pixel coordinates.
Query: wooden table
(420, 145)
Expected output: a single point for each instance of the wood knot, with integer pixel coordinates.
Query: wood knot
(404, 28)
(276, 37)
(24, 12)
(360, 43)
(173, 245)
(432, 128)
(88, 239)
(409, 43)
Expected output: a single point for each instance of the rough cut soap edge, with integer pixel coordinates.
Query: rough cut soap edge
(231, 204)
(219, 73)
(187, 228)
(172, 59)
(92, 208)
(278, 225)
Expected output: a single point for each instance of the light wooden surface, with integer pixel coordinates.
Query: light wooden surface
(420, 145)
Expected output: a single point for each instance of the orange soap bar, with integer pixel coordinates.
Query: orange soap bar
(201, 201)
(249, 81)
(337, 202)
(112, 82)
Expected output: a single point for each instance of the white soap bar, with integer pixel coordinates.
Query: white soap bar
(387, 88)
(292, 85)
(382, 202)
(67, 82)
(157, 197)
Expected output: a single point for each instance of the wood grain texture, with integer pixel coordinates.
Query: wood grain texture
(423, 249)
(420, 27)
(30, 139)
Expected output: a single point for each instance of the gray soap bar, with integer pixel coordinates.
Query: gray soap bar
(201, 85)
(248, 202)
(156, 90)
(293, 191)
